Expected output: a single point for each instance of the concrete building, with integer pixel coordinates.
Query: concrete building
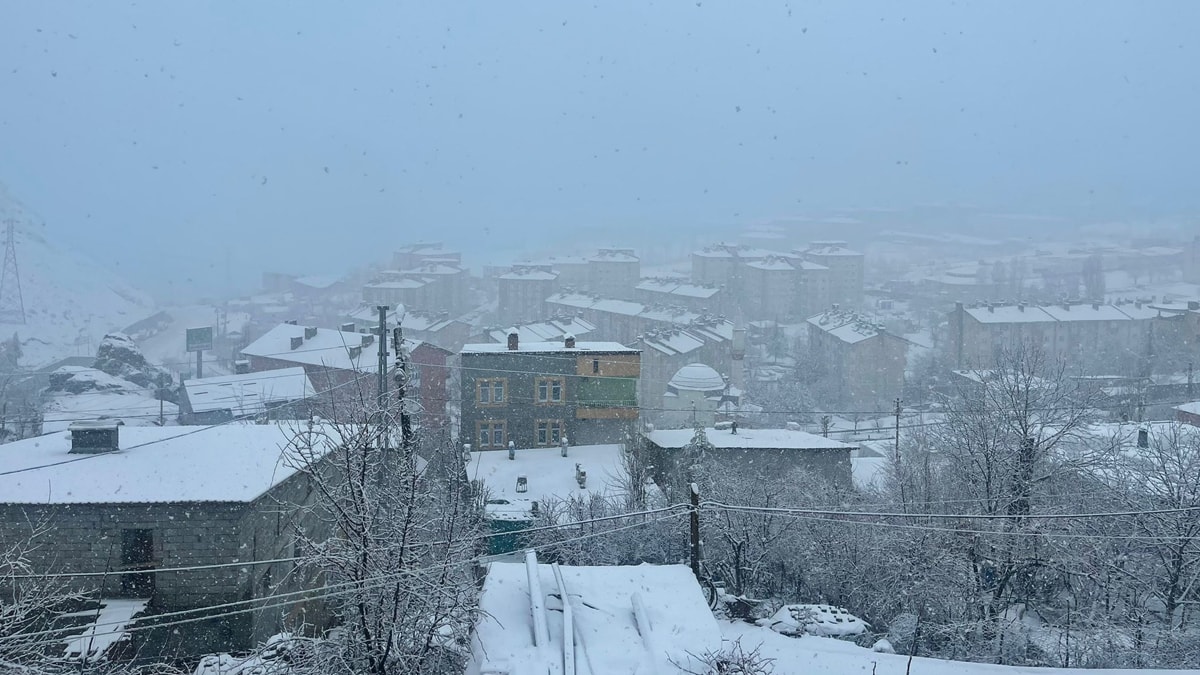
(624, 321)
(522, 293)
(106, 497)
(1117, 337)
(417, 255)
(535, 394)
(764, 454)
(614, 272)
(666, 350)
(864, 363)
(847, 271)
(693, 297)
(551, 330)
(693, 395)
(341, 365)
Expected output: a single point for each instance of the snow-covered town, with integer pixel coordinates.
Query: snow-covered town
(556, 339)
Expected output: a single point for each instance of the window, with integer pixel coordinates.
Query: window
(595, 366)
(491, 433)
(548, 432)
(490, 391)
(550, 389)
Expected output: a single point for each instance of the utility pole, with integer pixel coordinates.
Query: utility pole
(406, 436)
(381, 383)
(694, 513)
(162, 384)
(896, 449)
(381, 388)
(12, 302)
(1190, 387)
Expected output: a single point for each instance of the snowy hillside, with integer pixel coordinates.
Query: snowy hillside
(70, 301)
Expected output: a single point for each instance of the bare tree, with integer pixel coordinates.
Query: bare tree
(396, 537)
(28, 603)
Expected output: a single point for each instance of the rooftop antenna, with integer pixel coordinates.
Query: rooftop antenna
(12, 302)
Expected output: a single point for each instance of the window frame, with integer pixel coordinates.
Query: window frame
(492, 425)
(490, 385)
(554, 430)
(549, 382)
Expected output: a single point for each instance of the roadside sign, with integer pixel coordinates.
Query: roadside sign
(200, 339)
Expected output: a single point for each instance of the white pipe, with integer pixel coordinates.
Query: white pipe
(537, 601)
(568, 645)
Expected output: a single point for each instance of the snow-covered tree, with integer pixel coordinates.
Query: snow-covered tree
(396, 540)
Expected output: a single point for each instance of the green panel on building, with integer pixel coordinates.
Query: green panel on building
(607, 392)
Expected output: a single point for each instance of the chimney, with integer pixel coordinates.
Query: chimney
(512, 450)
(1193, 305)
(1096, 306)
(368, 340)
(563, 446)
(1020, 307)
(1143, 438)
(514, 339)
(310, 332)
(296, 342)
(569, 341)
(347, 327)
(580, 477)
(241, 367)
(290, 322)
(991, 308)
(355, 353)
(95, 436)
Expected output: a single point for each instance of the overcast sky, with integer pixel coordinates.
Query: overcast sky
(172, 138)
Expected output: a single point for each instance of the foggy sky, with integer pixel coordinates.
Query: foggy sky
(179, 139)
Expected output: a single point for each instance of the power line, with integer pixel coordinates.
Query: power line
(338, 589)
(255, 563)
(950, 516)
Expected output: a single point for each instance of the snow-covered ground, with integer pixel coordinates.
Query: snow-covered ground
(70, 301)
(106, 628)
(108, 397)
(827, 656)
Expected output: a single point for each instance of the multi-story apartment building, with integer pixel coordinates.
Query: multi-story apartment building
(847, 271)
(864, 363)
(614, 272)
(537, 393)
(522, 293)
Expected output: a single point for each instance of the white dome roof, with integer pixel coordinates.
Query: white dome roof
(697, 377)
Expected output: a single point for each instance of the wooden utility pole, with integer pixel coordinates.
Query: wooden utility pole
(695, 529)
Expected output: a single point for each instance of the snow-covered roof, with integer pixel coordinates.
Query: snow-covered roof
(697, 377)
(318, 281)
(748, 439)
(327, 348)
(435, 269)
(1049, 313)
(1192, 408)
(673, 341)
(557, 346)
(530, 274)
(227, 463)
(398, 284)
(627, 619)
(548, 475)
(248, 393)
(545, 331)
(614, 255)
(846, 326)
(831, 250)
(679, 288)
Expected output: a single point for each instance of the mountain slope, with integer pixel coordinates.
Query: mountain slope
(70, 300)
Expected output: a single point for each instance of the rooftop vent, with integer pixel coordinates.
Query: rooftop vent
(290, 322)
(296, 342)
(522, 483)
(241, 367)
(355, 353)
(1143, 440)
(1193, 305)
(368, 340)
(347, 327)
(514, 340)
(310, 332)
(569, 341)
(91, 437)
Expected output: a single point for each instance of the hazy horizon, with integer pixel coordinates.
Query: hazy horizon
(179, 142)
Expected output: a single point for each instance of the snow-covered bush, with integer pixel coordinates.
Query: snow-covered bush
(818, 620)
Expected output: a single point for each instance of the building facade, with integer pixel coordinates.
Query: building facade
(536, 394)
(864, 364)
